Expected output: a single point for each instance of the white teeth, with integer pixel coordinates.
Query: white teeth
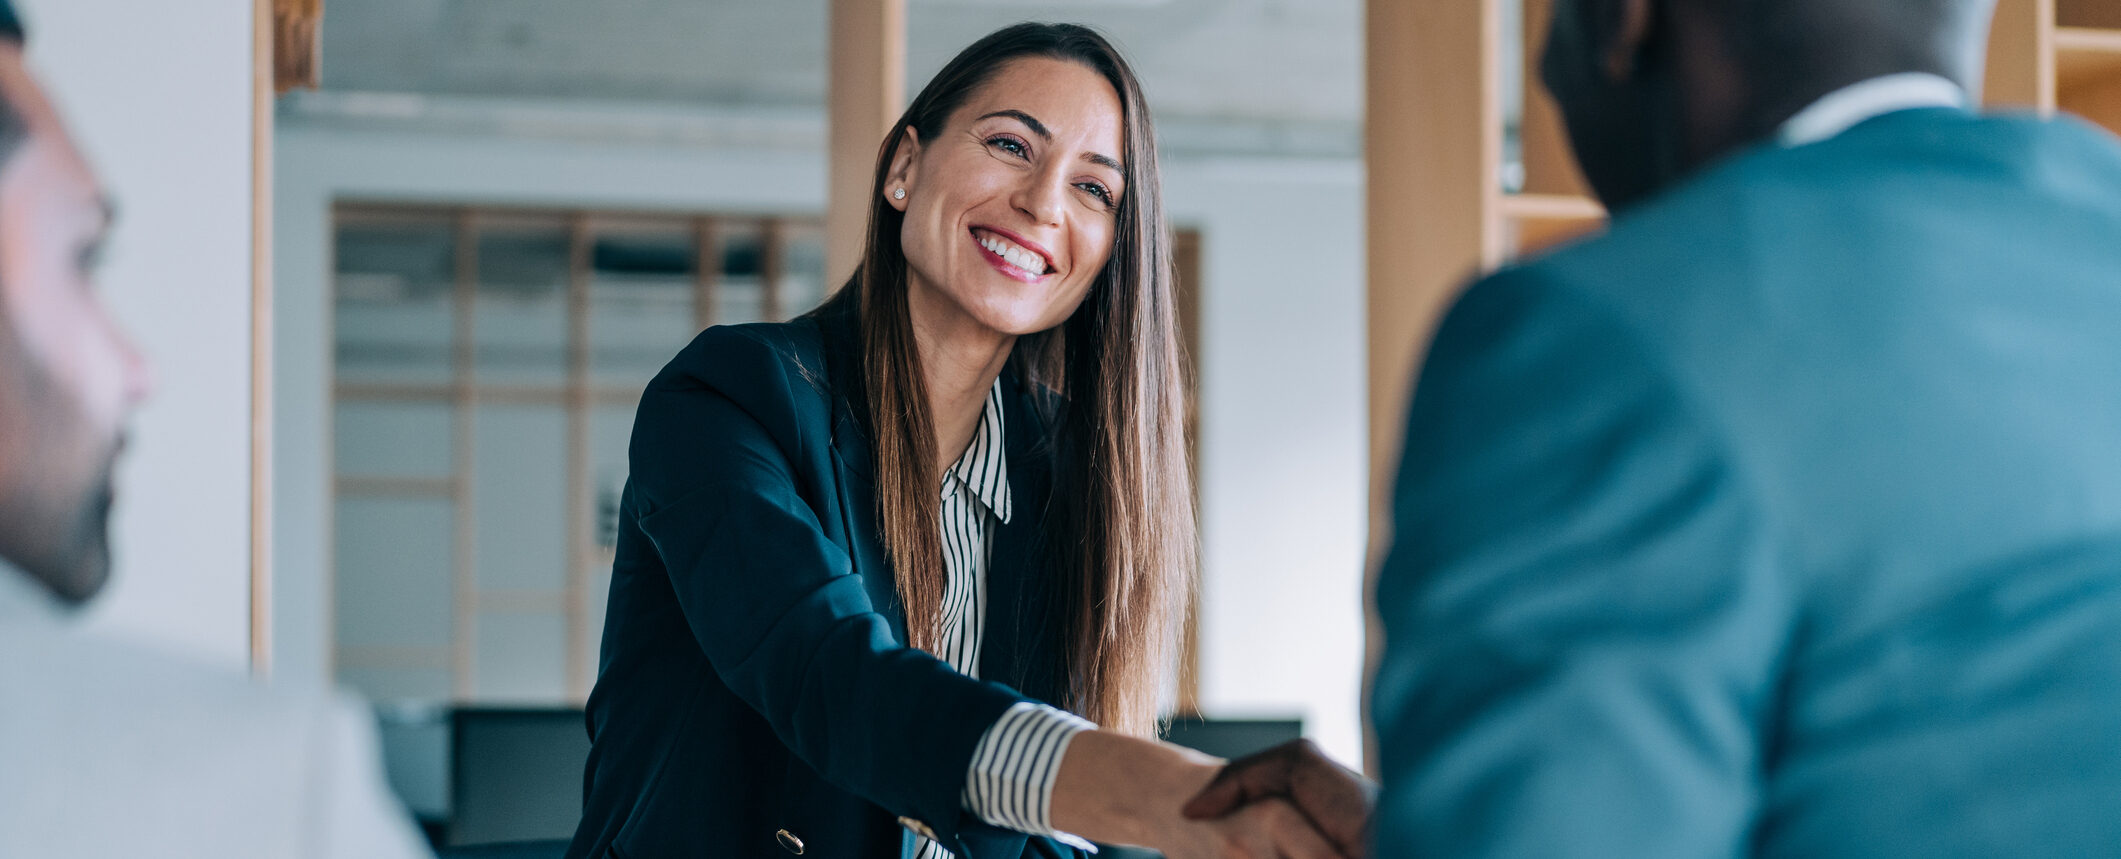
(1014, 255)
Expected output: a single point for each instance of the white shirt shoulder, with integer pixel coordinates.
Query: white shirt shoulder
(115, 749)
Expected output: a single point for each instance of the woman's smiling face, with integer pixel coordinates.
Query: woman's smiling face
(1011, 209)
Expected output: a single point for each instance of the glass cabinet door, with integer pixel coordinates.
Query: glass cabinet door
(489, 364)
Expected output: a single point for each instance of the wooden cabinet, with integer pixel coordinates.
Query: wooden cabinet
(2086, 52)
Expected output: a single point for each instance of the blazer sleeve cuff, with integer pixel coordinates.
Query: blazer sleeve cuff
(937, 809)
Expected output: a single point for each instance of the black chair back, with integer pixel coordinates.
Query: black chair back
(515, 775)
(512, 850)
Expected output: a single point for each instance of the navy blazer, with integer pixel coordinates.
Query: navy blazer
(756, 696)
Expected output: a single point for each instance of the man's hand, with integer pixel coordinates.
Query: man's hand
(1335, 799)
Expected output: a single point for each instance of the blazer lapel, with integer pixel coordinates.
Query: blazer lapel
(1021, 637)
(1021, 640)
(853, 459)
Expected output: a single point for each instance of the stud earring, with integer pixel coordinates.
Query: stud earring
(898, 194)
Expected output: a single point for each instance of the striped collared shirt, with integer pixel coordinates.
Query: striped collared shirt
(1010, 780)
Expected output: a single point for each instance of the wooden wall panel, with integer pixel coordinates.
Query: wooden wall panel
(1186, 265)
(867, 86)
(1433, 144)
(261, 342)
(2021, 56)
(1433, 152)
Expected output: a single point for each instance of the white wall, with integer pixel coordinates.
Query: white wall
(1283, 438)
(1282, 442)
(315, 167)
(159, 96)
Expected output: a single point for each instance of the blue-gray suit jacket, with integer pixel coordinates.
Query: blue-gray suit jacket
(1782, 520)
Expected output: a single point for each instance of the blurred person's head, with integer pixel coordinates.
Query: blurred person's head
(68, 377)
(1018, 197)
(1652, 90)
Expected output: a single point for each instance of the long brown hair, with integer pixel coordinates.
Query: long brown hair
(1120, 546)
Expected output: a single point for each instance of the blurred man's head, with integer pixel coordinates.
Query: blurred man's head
(1653, 89)
(68, 377)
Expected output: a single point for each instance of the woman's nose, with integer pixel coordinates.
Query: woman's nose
(1041, 197)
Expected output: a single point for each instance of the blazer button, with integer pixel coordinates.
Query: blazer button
(917, 827)
(789, 842)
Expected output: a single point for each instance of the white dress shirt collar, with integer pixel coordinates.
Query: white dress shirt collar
(984, 467)
(25, 598)
(1854, 104)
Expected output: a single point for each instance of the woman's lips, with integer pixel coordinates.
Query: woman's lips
(1009, 257)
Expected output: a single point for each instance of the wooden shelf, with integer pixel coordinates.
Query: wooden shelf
(2088, 13)
(1552, 207)
(2088, 73)
(2086, 56)
(386, 486)
(1540, 221)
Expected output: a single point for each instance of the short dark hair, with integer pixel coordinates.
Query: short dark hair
(13, 128)
(14, 131)
(10, 23)
(1773, 31)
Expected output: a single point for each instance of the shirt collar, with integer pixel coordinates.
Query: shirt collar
(984, 467)
(1856, 103)
(25, 598)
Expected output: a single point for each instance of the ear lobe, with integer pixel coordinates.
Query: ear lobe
(903, 170)
(1626, 32)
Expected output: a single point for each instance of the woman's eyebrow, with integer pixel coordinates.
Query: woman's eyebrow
(1029, 121)
(1039, 128)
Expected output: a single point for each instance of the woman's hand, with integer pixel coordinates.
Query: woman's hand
(1122, 790)
(1268, 829)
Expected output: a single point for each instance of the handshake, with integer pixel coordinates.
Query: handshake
(1288, 802)
(1304, 805)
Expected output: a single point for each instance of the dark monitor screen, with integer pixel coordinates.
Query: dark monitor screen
(1232, 738)
(516, 774)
